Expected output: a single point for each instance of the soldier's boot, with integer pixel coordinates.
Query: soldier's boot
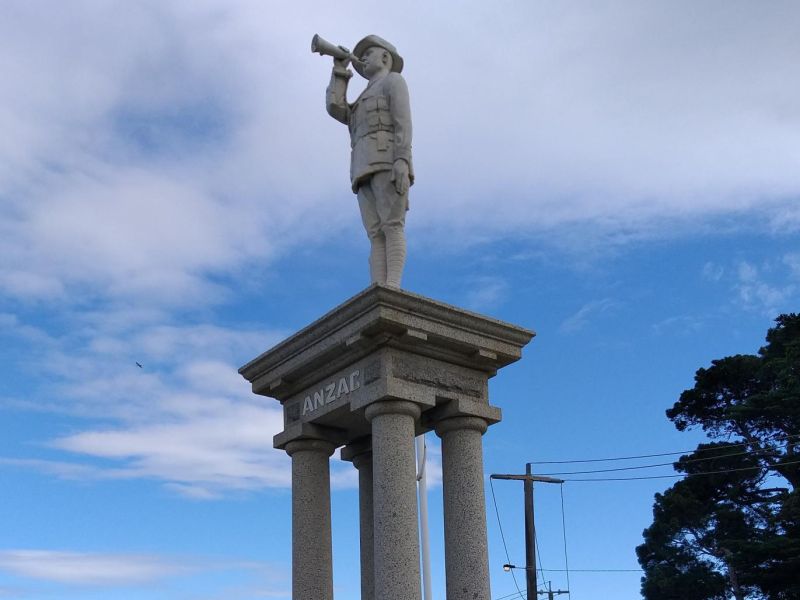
(395, 255)
(377, 259)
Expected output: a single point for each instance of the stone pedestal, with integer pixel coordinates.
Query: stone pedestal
(374, 372)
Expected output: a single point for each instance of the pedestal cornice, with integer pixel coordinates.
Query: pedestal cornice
(381, 316)
(384, 344)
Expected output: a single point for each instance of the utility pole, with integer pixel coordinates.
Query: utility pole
(530, 528)
(551, 592)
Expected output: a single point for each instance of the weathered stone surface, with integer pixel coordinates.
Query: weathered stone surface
(381, 316)
(379, 121)
(384, 366)
(465, 543)
(448, 379)
(360, 453)
(312, 552)
(396, 557)
(383, 343)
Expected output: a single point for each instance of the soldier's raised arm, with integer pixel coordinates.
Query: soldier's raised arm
(336, 94)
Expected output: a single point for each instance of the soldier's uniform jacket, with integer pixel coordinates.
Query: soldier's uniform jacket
(379, 122)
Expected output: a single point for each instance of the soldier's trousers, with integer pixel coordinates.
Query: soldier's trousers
(383, 212)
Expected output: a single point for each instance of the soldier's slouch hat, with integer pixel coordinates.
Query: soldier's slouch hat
(374, 40)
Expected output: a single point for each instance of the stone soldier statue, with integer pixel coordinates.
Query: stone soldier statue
(380, 137)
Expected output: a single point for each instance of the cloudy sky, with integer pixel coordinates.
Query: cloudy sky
(622, 177)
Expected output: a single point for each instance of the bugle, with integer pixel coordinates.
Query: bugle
(325, 48)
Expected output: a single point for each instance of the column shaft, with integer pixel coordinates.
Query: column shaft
(312, 553)
(465, 542)
(394, 500)
(363, 463)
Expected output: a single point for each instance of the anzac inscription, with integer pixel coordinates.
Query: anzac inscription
(331, 391)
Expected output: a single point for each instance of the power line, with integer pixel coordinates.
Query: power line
(502, 536)
(538, 553)
(596, 570)
(667, 464)
(591, 460)
(519, 593)
(676, 453)
(564, 533)
(512, 595)
(684, 475)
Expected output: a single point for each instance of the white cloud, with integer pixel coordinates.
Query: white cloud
(766, 288)
(133, 181)
(486, 292)
(186, 419)
(228, 448)
(681, 324)
(618, 114)
(79, 568)
(747, 272)
(792, 260)
(189, 139)
(63, 469)
(82, 570)
(580, 319)
(155, 153)
(785, 219)
(713, 271)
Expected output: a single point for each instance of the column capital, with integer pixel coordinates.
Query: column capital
(308, 431)
(462, 422)
(310, 444)
(357, 451)
(457, 408)
(392, 407)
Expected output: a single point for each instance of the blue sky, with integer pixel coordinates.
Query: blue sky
(622, 178)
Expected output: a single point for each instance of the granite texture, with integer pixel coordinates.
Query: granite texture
(465, 543)
(312, 553)
(382, 367)
(377, 317)
(397, 570)
(363, 462)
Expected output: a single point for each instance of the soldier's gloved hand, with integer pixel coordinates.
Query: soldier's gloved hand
(342, 63)
(400, 176)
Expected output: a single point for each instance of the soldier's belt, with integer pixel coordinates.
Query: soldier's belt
(384, 138)
(371, 131)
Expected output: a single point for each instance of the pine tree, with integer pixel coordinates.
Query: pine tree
(732, 527)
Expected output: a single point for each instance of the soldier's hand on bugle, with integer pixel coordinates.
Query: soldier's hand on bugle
(342, 63)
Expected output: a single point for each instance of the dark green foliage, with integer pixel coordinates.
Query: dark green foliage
(732, 528)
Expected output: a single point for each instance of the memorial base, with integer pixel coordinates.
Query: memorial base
(381, 368)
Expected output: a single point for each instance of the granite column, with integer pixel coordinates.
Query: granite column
(465, 540)
(360, 453)
(397, 574)
(312, 553)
